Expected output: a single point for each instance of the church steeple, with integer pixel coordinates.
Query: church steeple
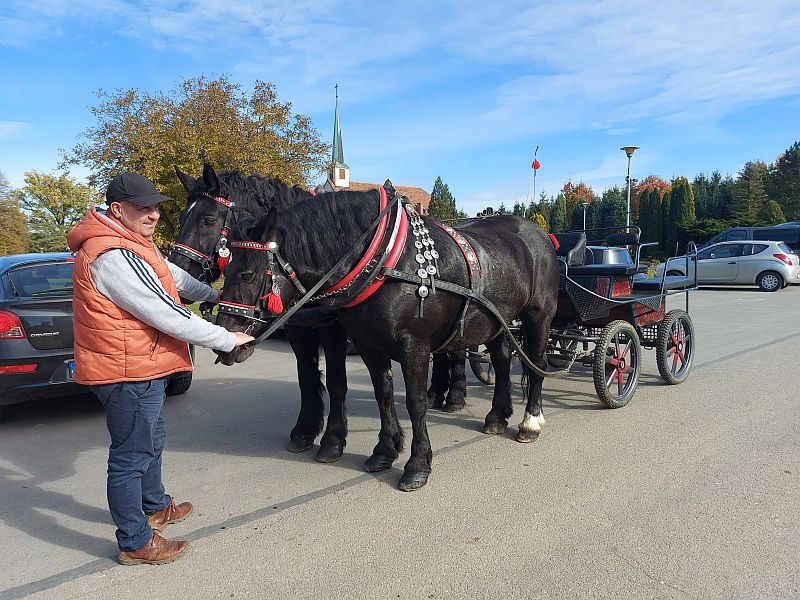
(339, 171)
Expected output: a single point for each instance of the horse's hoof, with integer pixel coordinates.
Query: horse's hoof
(435, 399)
(413, 481)
(526, 437)
(329, 454)
(495, 428)
(378, 462)
(300, 444)
(451, 408)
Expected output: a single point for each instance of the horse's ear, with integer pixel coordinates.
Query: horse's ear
(186, 180)
(210, 179)
(269, 226)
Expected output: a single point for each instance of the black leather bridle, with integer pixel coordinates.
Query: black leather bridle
(221, 253)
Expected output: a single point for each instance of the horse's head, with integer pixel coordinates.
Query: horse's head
(202, 245)
(258, 284)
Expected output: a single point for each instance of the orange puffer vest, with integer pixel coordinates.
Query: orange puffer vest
(112, 345)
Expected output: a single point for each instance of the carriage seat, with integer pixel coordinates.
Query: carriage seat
(671, 282)
(601, 270)
(571, 247)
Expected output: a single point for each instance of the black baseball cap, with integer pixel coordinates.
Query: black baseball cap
(135, 189)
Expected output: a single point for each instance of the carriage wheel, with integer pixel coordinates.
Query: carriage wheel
(675, 346)
(563, 350)
(481, 366)
(617, 362)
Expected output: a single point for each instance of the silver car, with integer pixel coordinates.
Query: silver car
(769, 265)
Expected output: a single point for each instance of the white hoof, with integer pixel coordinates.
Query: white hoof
(531, 423)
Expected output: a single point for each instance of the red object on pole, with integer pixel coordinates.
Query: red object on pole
(535, 165)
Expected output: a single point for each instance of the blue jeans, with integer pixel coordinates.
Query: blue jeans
(135, 420)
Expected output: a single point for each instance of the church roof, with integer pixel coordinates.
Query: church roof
(418, 197)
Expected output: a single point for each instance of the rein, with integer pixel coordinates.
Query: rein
(249, 311)
(221, 249)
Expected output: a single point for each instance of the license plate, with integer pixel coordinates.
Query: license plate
(70, 369)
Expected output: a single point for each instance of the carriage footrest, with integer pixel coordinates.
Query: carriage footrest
(671, 282)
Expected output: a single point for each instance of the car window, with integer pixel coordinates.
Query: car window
(42, 279)
(722, 251)
(784, 248)
(751, 249)
(736, 235)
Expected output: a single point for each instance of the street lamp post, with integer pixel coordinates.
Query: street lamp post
(629, 150)
(585, 204)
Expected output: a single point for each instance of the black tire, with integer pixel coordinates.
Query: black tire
(769, 281)
(675, 343)
(179, 384)
(482, 367)
(672, 273)
(618, 340)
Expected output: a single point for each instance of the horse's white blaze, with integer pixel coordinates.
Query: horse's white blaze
(532, 423)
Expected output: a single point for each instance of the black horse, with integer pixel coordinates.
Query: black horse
(216, 202)
(392, 310)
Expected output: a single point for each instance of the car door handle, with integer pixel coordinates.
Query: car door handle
(732, 263)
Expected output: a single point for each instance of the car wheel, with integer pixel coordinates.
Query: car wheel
(770, 281)
(179, 385)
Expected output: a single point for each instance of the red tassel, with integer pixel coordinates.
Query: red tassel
(554, 240)
(274, 303)
(223, 262)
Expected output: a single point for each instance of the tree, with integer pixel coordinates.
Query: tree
(14, 236)
(665, 222)
(540, 220)
(574, 195)
(749, 195)
(644, 214)
(682, 210)
(558, 214)
(202, 120)
(771, 214)
(53, 205)
(443, 205)
(783, 182)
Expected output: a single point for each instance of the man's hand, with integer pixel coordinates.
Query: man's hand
(242, 338)
(219, 296)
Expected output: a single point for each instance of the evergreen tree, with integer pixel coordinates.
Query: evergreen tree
(655, 224)
(558, 214)
(502, 210)
(644, 214)
(443, 204)
(771, 214)
(783, 182)
(666, 225)
(682, 210)
(749, 195)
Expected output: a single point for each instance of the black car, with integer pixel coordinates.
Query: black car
(36, 356)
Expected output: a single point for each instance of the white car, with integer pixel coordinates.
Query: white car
(767, 264)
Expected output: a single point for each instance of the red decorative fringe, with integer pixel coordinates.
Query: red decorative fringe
(274, 303)
(554, 240)
(223, 262)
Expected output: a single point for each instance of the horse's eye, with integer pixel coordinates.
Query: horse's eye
(209, 221)
(247, 276)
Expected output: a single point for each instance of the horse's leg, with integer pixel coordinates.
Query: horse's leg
(334, 342)
(390, 437)
(536, 334)
(457, 392)
(305, 344)
(439, 381)
(418, 467)
(497, 420)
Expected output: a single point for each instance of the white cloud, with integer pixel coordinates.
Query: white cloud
(11, 129)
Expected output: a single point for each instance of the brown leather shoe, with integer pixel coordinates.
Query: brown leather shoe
(155, 552)
(171, 514)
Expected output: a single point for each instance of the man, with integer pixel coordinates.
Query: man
(131, 334)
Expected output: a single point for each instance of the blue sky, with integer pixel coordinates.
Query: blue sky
(462, 90)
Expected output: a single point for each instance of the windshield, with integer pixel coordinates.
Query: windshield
(42, 279)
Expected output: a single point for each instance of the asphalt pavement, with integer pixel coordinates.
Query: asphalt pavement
(690, 491)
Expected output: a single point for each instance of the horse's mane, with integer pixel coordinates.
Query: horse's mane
(321, 230)
(255, 194)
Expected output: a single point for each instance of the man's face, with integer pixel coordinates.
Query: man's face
(139, 219)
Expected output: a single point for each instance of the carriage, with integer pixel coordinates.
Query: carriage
(608, 311)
